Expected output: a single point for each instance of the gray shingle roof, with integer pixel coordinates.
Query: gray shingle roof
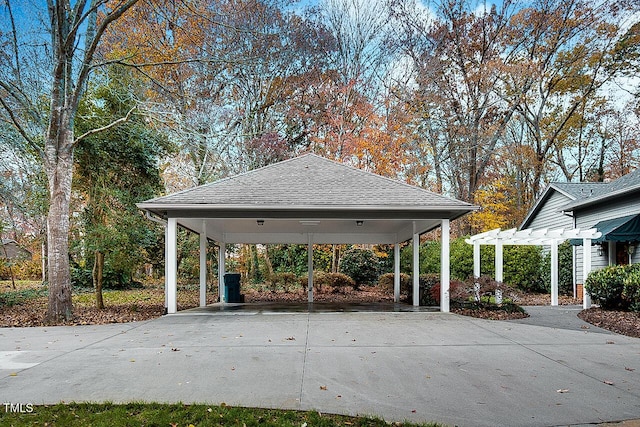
(309, 181)
(583, 194)
(608, 191)
(580, 190)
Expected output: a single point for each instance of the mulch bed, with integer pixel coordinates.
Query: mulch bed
(621, 322)
(489, 314)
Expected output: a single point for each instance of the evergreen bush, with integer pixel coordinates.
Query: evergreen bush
(362, 265)
(631, 287)
(606, 286)
(523, 267)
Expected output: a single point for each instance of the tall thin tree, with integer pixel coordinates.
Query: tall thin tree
(74, 34)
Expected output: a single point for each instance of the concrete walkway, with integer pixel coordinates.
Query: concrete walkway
(417, 366)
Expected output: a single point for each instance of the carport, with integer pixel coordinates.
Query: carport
(305, 200)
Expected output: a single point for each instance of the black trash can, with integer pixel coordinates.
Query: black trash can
(232, 288)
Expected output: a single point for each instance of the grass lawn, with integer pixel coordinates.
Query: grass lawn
(177, 415)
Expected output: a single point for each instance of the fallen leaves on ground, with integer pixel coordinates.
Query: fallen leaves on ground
(489, 314)
(544, 299)
(622, 322)
(148, 303)
(143, 304)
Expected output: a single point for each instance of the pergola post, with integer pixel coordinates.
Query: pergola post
(554, 273)
(499, 237)
(310, 268)
(444, 268)
(396, 273)
(586, 269)
(172, 265)
(203, 265)
(166, 268)
(499, 262)
(416, 270)
(476, 259)
(222, 257)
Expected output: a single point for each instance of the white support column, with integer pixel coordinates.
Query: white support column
(166, 268)
(222, 256)
(310, 269)
(203, 265)
(416, 270)
(586, 269)
(499, 262)
(445, 267)
(396, 273)
(554, 273)
(476, 259)
(172, 265)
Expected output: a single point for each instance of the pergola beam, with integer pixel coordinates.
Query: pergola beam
(542, 237)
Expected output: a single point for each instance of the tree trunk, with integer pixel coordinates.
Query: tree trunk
(6, 256)
(98, 269)
(335, 258)
(267, 261)
(59, 168)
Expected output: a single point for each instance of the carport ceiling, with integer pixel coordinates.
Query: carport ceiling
(287, 201)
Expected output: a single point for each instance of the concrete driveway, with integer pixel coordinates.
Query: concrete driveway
(417, 366)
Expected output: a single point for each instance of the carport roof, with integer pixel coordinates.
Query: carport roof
(306, 188)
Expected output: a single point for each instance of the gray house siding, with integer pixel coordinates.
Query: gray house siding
(590, 217)
(550, 216)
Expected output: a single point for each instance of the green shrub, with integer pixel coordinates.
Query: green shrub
(631, 287)
(386, 282)
(565, 270)
(11, 298)
(523, 267)
(332, 282)
(461, 259)
(82, 278)
(606, 286)
(362, 265)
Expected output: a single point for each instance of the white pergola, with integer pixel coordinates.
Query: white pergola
(543, 237)
(306, 200)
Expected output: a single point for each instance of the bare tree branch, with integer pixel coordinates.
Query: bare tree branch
(16, 123)
(104, 128)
